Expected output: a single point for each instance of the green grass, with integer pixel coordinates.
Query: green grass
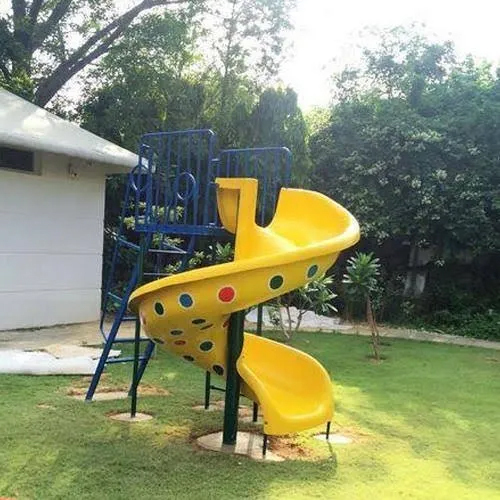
(425, 424)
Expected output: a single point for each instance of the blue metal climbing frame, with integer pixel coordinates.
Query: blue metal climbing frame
(169, 203)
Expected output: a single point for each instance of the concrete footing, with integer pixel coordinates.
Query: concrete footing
(247, 444)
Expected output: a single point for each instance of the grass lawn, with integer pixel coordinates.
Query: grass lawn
(425, 424)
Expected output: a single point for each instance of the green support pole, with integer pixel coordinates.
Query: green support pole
(234, 346)
(208, 383)
(260, 307)
(137, 335)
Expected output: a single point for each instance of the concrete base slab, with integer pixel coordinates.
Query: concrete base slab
(103, 396)
(125, 417)
(247, 444)
(334, 438)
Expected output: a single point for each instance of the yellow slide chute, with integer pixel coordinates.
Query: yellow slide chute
(188, 313)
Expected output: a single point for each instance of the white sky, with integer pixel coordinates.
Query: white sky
(326, 30)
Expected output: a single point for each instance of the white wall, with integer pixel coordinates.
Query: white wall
(51, 236)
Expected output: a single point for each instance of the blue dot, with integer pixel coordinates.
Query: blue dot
(198, 321)
(159, 309)
(185, 300)
(176, 332)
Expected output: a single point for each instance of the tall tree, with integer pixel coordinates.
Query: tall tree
(407, 150)
(45, 43)
(248, 38)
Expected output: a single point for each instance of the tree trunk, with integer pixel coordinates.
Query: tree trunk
(373, 328)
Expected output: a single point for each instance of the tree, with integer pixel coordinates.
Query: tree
(144, 84)
(406, 149)
(38, 58)
(248, 38)
(276, 120)
(360, 280)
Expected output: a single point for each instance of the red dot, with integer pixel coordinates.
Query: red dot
(226, 294)
(224, 325)
(180, 342)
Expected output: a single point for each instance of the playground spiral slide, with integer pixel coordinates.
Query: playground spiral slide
(189, 313)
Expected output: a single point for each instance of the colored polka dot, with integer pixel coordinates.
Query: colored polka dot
(206, 346)
(226, 294)
(159, 309)
(158, 341)
(188, 358)
(226, 323)
(180, 342)
(276, 281)
(312, 271)
(218, 369)
(185, 300)
(198, 321)
(206, 327)
(176, 332)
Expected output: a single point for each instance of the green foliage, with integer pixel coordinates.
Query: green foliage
(362, 274)
(410, 156)
(315, 296)
(409, 149)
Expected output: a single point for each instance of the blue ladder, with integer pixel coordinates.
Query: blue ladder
(171, 194)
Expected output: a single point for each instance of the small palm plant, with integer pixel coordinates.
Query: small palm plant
(360, 280)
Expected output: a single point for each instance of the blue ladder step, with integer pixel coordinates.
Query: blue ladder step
(129, 318)
(128, 244)
(115, 297)
(126, 359)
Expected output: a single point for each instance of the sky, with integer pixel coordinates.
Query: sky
(326, 32)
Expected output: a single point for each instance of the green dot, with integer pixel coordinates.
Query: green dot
(276, 281)
(312, 271)
(188, 358)
(159, 309)
(206, 346)
(218, 369)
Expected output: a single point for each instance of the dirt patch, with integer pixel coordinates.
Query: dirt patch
(288, 447)
(43, 406)
(492, 360)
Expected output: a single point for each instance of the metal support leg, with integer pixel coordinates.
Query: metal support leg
(137, 335)
(207, 390)
(235, 344)
(148, 352)
(264, 445)
(133, 388)
(260, 307)
(328, 430)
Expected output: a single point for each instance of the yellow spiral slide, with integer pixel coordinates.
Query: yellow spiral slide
(189, 313)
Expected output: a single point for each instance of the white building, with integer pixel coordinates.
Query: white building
(52, 183)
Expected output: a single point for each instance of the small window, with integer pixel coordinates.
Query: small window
(17, 159)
